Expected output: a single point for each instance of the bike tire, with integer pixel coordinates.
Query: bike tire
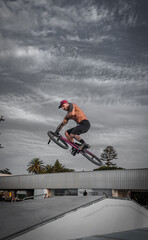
(57, 139)
(92, 158)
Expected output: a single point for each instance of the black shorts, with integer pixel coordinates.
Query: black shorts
(81, 127)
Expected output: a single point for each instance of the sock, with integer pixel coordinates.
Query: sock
(82, 141)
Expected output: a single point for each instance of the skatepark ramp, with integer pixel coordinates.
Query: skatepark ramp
(98, 218)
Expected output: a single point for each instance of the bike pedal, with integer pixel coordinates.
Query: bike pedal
(73, 153)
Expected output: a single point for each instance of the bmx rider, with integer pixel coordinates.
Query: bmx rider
(83, 124)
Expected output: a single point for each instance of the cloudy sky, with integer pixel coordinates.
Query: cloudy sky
(92, 53)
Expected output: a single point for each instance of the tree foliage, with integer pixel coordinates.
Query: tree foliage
(109, 154)
(5, 171)
(56, 168)
(107, 168)
(47, 169)
(36, 166)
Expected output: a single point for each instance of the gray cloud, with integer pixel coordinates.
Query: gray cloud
(93, 53)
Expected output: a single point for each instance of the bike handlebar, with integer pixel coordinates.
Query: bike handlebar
(57, 132)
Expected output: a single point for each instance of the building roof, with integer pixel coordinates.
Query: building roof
(106, 179)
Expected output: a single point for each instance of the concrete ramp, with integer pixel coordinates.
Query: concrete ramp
(103, 217)
(19, 217)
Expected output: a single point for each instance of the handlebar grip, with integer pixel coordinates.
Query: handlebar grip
(57, 131)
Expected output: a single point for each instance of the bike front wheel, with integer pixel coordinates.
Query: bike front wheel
(57, 139)
(91, 157)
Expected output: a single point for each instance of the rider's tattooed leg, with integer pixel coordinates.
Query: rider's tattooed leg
(69, 137)
(77, 137)
(83, 143)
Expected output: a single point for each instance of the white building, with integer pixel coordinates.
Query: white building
(115, 183)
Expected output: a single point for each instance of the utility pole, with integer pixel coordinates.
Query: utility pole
(1, 119)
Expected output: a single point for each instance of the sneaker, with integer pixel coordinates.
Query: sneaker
(73, 151)
(84, 146)
(78, 144)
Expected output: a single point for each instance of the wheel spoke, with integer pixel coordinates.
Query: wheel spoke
(58, 139)
(94, 159)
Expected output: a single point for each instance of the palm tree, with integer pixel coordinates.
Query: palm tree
(47, 169)
(35, 166)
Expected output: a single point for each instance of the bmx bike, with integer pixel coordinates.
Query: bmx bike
(64, 143)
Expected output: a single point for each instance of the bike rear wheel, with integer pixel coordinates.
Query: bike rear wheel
(57, 139)
(91, 157)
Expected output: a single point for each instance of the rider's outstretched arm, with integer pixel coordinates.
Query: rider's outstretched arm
(60, 126)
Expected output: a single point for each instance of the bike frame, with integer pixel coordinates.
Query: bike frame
(64, 142)
(75, 145)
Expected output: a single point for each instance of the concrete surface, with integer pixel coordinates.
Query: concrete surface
(138, 234)
(97, 219)
(65, 218)
(18, 217)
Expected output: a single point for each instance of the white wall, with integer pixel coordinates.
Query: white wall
(115, 179)
(40, 193)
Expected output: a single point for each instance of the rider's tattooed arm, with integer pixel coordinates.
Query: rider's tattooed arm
(58, 129)
(71, 113)
(65, 121)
